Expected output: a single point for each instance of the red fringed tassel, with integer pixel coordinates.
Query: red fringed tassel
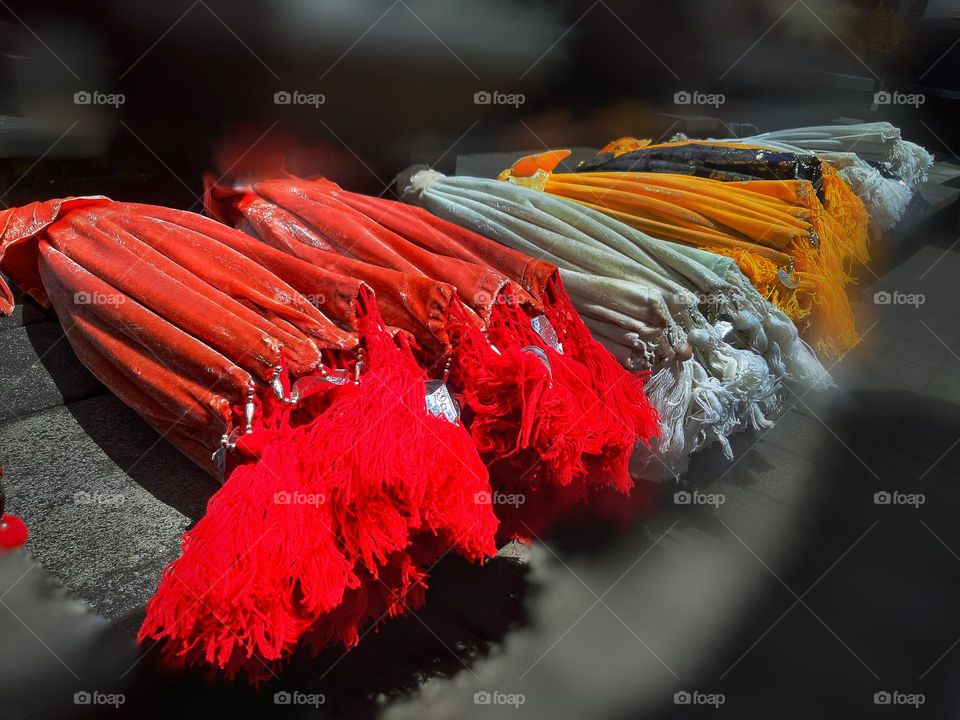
(618, 389)
(548, 437)
(508, 394)
(323, 519)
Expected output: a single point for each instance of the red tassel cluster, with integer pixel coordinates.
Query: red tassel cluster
(330, 521)
(312, 359)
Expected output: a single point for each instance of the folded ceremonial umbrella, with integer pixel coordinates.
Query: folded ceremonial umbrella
(877, 142)
(795, 252)
(640, 298)
(341, 488)
(550, 410)
(882, 168)
(743, 162)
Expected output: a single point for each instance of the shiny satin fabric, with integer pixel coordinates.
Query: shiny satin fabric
(181, 317)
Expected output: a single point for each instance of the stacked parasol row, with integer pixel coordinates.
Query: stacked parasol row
(380, 383)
